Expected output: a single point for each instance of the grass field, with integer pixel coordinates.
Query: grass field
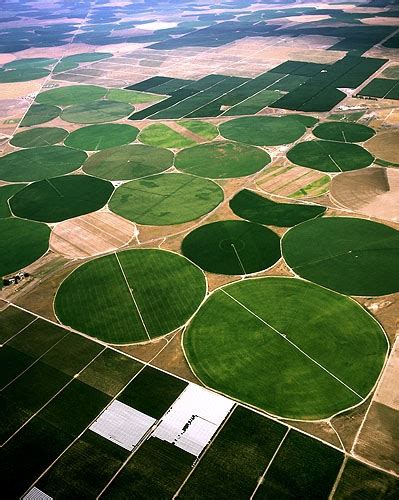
(34, 164)
(130, 297)
(38, 137)
(351, 256)
(263, 130)
(304, 466)
(152, 392)
(96, 112)
(22, 242)
(71, 95)
(330, 156)
(128, 162)
(251, 206)
(221, 160)
(40, 113)
(98, 137)
(5, 194)
(343, 132)
(232, 247)
(166, 199)
(163, 136)
(61, 198)
(238, 455)
(204, 129)
(270, 350)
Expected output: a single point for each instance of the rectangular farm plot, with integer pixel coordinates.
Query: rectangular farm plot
(12, 321)
(155, 471)
(36, 494)
(123, 425)
(302, 466)
(84, 469)
(381, 87)
(193, 419)
(152, 392)
(237, 458)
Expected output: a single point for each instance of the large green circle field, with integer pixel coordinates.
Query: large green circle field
(34, 164)
(61, 198)
(21, 243)
(165, 199)
(351, 256)
(98, 137)
(128, 162)
(72, 94)
(330, 156)
(221, 160)
(263, 130)
(232, 247)
(131, 296)
(40, 113)
(343, 132)
(39, 137)
(286, 346)
(96, 112)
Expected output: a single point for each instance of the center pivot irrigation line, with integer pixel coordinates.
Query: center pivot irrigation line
(284, 336)
(335, 163)
(131, 294)
(238, 257)
(55, 189)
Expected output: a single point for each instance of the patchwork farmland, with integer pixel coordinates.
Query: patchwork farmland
(199, 252)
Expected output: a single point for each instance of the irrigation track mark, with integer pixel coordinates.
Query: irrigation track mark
(55, 189)
(335, 163)
(131, 294)
(284, 336)
(238, 257)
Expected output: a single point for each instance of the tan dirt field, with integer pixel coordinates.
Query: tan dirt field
(91, 234)
(371, 191)
(20, 89)
(385, 146)
(387, 392)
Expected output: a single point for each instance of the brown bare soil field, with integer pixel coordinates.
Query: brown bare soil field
(381, 21)
(387, 392)
(347, 424)
(292, 182)
(91, 234)
(372, 191)
(6, 58)
(385, 146)
(20, 89)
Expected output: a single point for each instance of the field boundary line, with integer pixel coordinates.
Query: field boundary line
(132, 295)
(338, 478)
(18, 332)
(262, 477)
(282, 335)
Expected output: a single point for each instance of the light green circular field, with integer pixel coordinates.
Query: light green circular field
(128, 162)
(34, 164)
(131, 296)
(343, 132)
(39, 137)
(96, 112)
(286, 346)
(351, 256)
(61, 198)
(221, 160)
(232, 247)
(21, 243)
(98, 137)
(330, 156)
(263, 130)
(40, 113)
(71, 94)
(166, 199)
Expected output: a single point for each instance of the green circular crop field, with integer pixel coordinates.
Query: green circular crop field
(232, 247)
(98, 137)
(166, 199)
(131, 296)
(343, 132)
(39, 137)
(21, 243)
(351, 256)
(22, 74)
(71, 94)
(61, 198)
(34, 164)
(330, 156)
(286, 346)
(40, 113)
(128, 162)
(263, 130)
(221, 160)
(251, 206)
(96, 112)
